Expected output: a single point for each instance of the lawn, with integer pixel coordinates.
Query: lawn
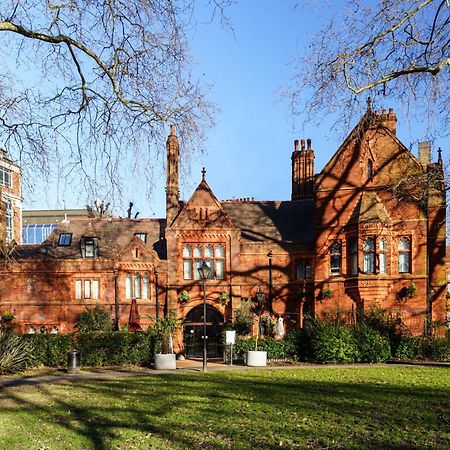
(370, 407)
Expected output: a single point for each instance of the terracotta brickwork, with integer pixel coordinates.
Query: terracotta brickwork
(344, 243)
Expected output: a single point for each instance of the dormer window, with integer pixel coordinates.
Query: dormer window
(142, 236)
(65, 239)
(89, 247)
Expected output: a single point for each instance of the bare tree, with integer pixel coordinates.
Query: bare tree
(388, 48)
(88, 87)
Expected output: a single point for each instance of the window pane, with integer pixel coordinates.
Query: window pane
(137, 286)
(87, 288)
(145, 286)
(220, 251)
(308, 270)
(187, 269)
(354, 264)
(369, 263)
(369, 244)
(197, 251)
(197, 264)
(187, 251)
(78, 287)
(128, 286)
(220, 272)
(382, 244)
(335, 264)
(404, 244)
(95, 289)
(336, 247)
(382, 262)
(299, 270)
(403, 262)
(209, 251)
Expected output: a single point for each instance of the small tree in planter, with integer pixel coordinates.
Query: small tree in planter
(165, 328)
(258, 307)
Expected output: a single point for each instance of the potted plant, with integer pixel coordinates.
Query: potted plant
(223, 298)
(257, 358)
(7, 316)
(165, 357)
(184, 297)
(411, 290)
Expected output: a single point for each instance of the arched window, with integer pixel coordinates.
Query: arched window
(404, 255)
(369, 255)
(137, 286)
(145, 287)
(335, 258)
(128, 286)
(382, 256)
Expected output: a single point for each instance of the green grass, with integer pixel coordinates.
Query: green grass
(375, 407)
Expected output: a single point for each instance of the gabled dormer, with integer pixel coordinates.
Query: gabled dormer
(137, 251)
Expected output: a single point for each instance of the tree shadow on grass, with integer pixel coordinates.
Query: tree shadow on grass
(229, 410)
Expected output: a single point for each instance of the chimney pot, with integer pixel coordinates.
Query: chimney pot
(303, 144)
(308, 141)
(296, 145)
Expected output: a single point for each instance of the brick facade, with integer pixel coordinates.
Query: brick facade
(343, 243)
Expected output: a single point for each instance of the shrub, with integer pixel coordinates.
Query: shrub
(424, 347)
(243, 319)
(333, 342)
(116, 348)
(407, 348)
(95, 319)
(370, 345)
(50, 349)
(275, 348)
(16, 353)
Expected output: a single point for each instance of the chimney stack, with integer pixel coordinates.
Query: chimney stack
(302, 171)
(424, 153)
(172, 189)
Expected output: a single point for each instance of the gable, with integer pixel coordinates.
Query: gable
(136, 250)
(202, 211)
(370, 141)
(369, 208)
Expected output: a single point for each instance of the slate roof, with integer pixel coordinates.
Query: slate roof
(273, 221)
(113, 236)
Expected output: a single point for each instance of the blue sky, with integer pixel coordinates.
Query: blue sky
(249, 149)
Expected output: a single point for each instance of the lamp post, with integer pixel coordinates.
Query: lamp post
(156, 293)
(204, 271)
(269, 255)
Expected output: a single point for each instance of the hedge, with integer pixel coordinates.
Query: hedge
(424, 348)
(96, 349)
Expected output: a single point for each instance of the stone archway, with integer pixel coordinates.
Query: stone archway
(193, 332)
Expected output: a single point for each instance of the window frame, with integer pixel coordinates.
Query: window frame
(87, 289)
(404, 252)
(91, 243)
(194, 253)
(303, 269)
(337, 255)
(369, 255)
(142, 236)
(6, 177)
(63, 238)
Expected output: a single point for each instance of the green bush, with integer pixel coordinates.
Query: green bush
(333, 342)
(243, 319)
(16, 353)
(108, 349)
(370, 345)
(275, 348)
(407, 349)
(95, 319)
(50, 349)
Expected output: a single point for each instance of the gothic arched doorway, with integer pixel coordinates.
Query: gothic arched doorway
(193, 332)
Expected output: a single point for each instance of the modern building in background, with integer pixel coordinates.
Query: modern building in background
(347, 241)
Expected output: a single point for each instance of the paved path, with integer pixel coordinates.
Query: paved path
(188, 365)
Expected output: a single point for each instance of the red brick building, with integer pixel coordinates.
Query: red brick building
(345, 242)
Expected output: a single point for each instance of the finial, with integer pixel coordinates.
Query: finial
(369, 104)
(172, 130)
(440, 156)
(203, 173)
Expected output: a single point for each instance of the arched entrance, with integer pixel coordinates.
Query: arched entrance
(193, 332)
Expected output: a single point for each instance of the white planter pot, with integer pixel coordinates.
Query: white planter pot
(256, 359)
(165, 361)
